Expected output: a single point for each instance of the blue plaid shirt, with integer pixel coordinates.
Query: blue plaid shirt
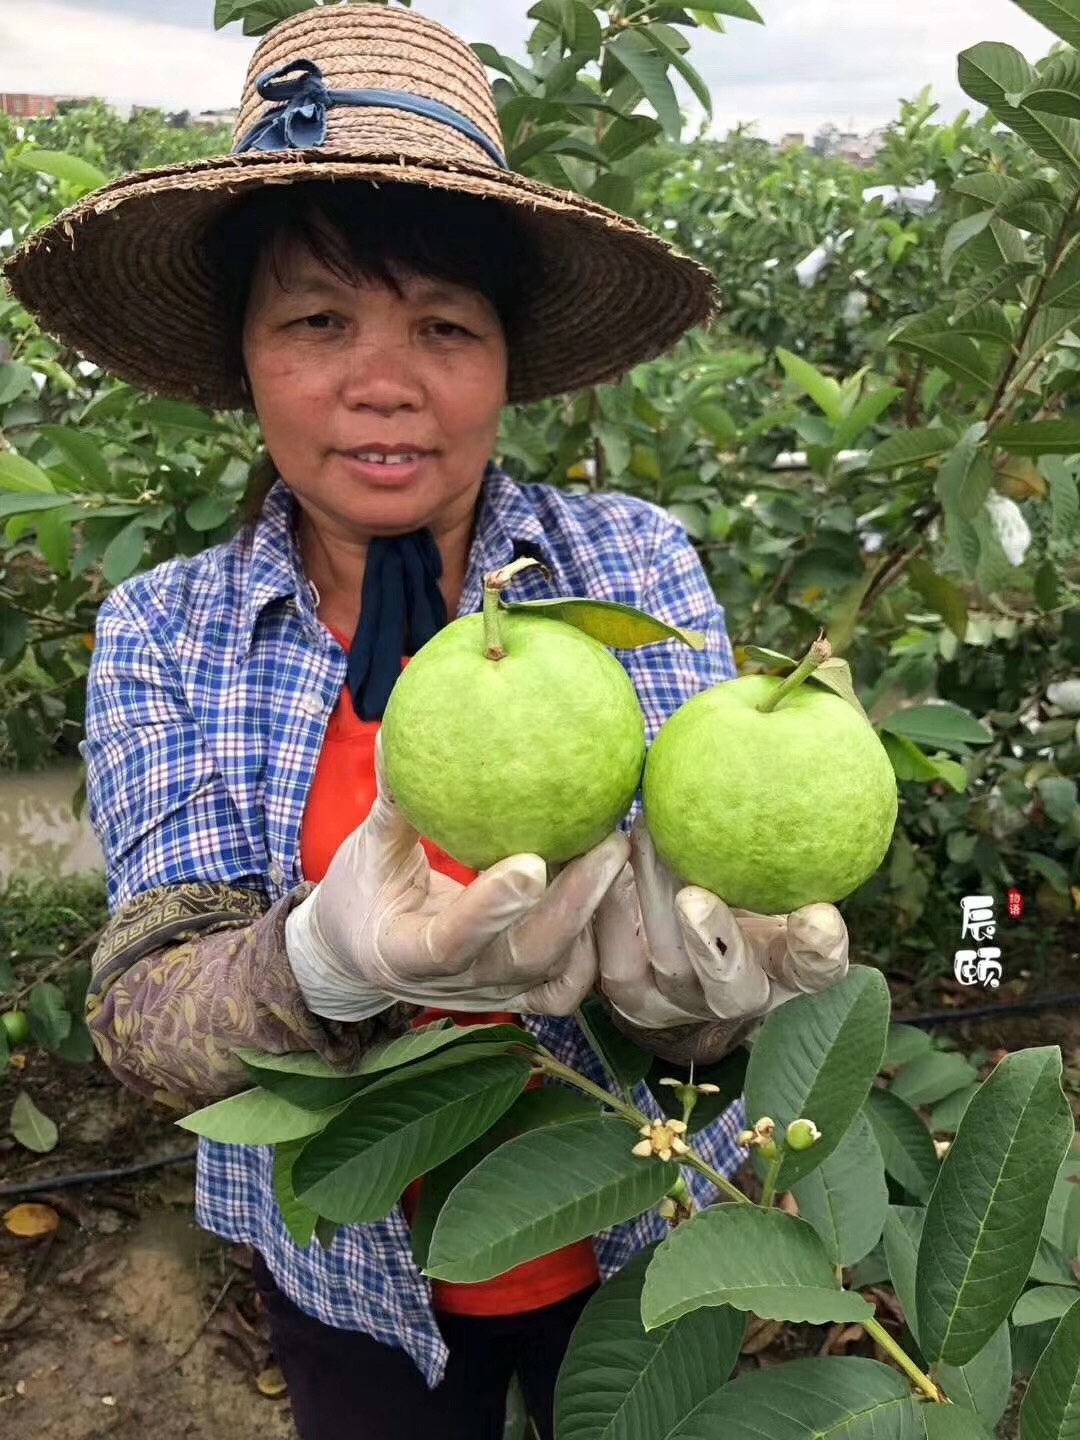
(214, 789)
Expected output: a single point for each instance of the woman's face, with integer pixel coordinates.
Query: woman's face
(379, 410)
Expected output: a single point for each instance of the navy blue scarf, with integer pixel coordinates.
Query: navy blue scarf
(401, 608)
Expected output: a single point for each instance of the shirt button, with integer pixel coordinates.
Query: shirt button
(277, 874)
(312, 704)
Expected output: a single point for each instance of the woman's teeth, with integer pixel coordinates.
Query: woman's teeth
(374, 457)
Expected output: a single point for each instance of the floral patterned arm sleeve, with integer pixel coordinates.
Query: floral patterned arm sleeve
(185, 974)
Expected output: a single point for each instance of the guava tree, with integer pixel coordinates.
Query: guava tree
(976, 1246)
(99, 481)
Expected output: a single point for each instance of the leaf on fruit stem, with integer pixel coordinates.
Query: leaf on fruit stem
(620, 627)
(771, 659)
(835, 675)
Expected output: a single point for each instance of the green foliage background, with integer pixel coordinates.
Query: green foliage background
(895, 377)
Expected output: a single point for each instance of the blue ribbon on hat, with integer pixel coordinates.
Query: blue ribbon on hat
(299, 123)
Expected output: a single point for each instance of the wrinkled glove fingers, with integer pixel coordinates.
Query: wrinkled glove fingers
(416, 943)
(672, 972)
(564, 991)
(816, 949)
(537, 942)
(626, 970)
(727, 966)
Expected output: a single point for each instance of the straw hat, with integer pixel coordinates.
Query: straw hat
(348, 92)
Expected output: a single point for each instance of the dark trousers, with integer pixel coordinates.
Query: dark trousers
(343, 1385)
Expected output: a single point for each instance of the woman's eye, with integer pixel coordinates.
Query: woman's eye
(448, 329)
(321, 321)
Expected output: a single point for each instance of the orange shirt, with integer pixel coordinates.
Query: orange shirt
(342, 793)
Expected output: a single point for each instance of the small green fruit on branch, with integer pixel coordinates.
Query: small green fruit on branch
(801, 1134)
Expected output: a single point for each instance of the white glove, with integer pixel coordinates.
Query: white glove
(383, 926)
(670, 956)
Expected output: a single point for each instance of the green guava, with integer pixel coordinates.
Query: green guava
(16, 1026)
(770, 810)
(540, 750)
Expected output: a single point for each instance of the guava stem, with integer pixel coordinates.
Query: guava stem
(494, 585)
(493, 646)
(889, 1345)
(548, 1065)
(819, 652)
(545, 1063)
(768, 1189)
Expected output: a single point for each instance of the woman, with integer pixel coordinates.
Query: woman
(366, 275)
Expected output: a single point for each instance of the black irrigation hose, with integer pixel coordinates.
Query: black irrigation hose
(93, 1177)
(989, 1012)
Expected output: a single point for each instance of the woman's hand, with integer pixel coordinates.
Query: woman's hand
(672, 957)
(383, 926)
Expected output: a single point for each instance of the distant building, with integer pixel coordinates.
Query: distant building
(793, 140)
(212, 119)
(26, 107)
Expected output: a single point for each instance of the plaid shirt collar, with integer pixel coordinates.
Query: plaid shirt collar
(506, 527)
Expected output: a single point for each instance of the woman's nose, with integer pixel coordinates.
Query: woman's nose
(382, 376)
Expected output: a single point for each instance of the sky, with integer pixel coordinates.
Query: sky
(845, 61)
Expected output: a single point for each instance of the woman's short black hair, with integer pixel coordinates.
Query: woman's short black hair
(363, 232)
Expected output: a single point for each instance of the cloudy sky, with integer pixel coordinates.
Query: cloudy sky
(848, 61)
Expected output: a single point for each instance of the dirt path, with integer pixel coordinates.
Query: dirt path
(104, 1327)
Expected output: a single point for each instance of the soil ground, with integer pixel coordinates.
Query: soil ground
(129, 1320)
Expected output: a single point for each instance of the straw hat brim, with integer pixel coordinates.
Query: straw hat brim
(122, 277)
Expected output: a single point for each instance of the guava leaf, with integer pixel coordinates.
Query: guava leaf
(619, 1382)
(300, 1220)
(816, 1055)
(620, 627)
(772, 658)
(255, 1117)
(835, 675)
(824, 1396)
(752, 1259)
(541, 1191)
(846, 1198)
(986, 1211)
(1051, 1405)
(356, 1169)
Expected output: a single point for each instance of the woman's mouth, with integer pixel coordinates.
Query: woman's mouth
(385, 467)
